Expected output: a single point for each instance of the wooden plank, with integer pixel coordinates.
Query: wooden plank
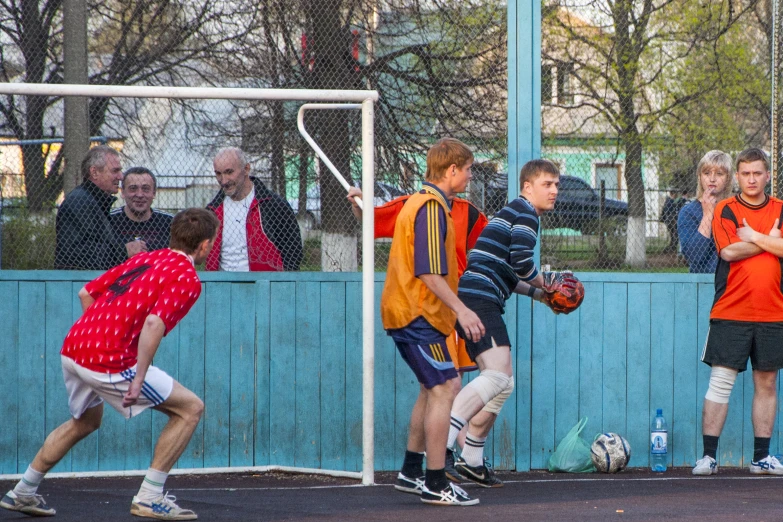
(190, 361)
(566, 339)
(591, 314)
(387, 455)
(747, 418)
(9, 384)
(243, 334)
(58, 322)
(615, 373)
(501, 444)
(84, 456)
(684, 419)
(263, 413)
(308, 372)
(662, 353)
(167, 359)
(638, 357)
(706, 294)
(282, 373)
(542, 437)
(31, 354)
(730, 446)
(217, 375)
(353, 372)
(333, 377)
(522, 337)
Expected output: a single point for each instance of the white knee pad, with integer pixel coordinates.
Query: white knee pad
(488, 384)
(495, 404)
(721, 382)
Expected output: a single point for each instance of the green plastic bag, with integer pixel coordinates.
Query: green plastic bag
(573, 453)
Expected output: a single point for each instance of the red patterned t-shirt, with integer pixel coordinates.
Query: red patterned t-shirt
(106, 337)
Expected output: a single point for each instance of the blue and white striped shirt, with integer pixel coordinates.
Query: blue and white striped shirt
(503, 254)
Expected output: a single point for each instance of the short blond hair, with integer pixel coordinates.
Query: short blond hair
(716, 159)
(534, 168)
(445, 153)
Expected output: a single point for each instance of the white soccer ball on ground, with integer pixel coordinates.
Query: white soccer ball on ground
(610, 453)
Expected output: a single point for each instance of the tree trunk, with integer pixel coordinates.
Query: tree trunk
(333, 68)
(635, 248)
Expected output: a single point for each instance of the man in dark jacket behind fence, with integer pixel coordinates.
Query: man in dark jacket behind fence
(85, 239)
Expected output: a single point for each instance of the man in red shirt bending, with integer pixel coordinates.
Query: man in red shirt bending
(107, 356)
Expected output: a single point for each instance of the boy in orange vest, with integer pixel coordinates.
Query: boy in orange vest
(419, 308)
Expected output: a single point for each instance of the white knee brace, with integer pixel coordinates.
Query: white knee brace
(721, 382)
(488, 384)
(495, 404)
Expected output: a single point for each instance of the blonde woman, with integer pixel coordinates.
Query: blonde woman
(694, 223)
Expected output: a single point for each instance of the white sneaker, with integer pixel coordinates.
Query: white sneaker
(163, 508)
(769, 465)
(33, 505)
(706, 466)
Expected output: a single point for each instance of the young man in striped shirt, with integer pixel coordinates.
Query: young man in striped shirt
(502, 262)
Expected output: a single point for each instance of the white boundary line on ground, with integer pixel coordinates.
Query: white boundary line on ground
(196, 471)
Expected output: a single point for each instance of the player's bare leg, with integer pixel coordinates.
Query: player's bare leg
(468, 403)
(713, 417)
(64, 437)
(184, 410)
(436, 424)
(765, 402)
(24, 497)
(416, 439)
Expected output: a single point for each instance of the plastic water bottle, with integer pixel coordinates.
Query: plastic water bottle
(658, 442)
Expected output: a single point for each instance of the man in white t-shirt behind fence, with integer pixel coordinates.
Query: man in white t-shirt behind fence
(258, 231)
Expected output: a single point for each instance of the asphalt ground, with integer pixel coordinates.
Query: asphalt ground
(635, 494)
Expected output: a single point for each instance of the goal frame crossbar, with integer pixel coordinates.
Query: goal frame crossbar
(366, 99)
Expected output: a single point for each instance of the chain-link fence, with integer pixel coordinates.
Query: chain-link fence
(632, 96)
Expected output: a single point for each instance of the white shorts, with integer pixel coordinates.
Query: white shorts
(87, 389)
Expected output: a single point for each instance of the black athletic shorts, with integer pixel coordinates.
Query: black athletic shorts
(491, 315)
(730, 343)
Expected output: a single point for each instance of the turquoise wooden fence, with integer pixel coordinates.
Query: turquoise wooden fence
(277, 360)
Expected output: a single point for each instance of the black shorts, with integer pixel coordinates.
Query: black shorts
(491, 315)
(730, 343)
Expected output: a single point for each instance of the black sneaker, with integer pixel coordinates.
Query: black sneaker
(409, 485)
(482, 475)
(451, 472)
(450, 496)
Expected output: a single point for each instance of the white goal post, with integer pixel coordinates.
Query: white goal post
(366, 100)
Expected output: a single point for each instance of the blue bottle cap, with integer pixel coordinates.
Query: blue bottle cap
(659, 412)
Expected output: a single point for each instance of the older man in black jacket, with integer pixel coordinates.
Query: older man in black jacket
(85, 239)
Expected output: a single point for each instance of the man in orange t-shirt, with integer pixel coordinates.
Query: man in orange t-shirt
(746, 320)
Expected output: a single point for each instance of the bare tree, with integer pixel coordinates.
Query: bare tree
(623, 65)
(162, 42)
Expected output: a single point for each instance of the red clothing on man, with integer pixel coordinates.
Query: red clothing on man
(106, 337)
(750, 289)
(469, 221)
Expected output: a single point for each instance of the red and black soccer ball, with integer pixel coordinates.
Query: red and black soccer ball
(565, 304)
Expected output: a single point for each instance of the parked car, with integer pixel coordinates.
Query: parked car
(577, 206)
(312, 220)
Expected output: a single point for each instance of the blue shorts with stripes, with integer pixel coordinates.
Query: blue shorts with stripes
(430, 362)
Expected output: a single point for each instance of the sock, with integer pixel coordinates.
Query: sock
(457, 423)
(29, 483)
(435, 480)
(710, 446)
(152, 485)
(760, 448)
(473, 452)
(411, 466)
